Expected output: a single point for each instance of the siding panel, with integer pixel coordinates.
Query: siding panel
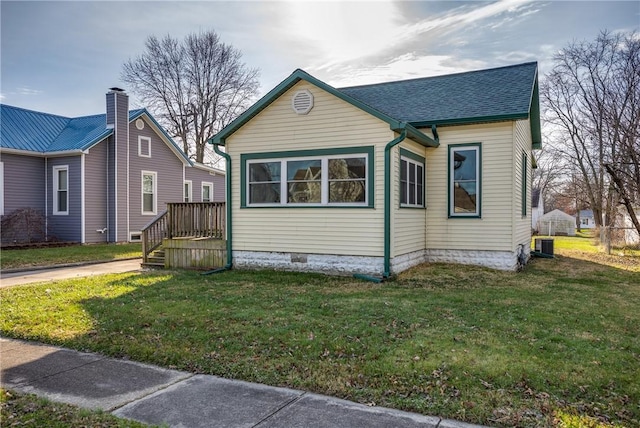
(197, 176)
(494, 230)
(170, 175)
(332, 123)
(522, 224)
(66, 227)
(95, 187)
(24, 178)
(408, 225)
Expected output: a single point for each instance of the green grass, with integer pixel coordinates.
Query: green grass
(21, 258)
(19, 410)
(556, 343)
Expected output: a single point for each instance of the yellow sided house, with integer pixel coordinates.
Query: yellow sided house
(375, 179)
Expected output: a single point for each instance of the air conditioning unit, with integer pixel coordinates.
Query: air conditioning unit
(544, 246)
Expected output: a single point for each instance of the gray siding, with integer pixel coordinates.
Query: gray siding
(118, 112)
(165, 163)
(23, 183)
(95, 189)
(198, 176)
(65, 227)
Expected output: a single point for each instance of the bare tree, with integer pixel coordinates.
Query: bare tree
(194, 87)
(591, 99)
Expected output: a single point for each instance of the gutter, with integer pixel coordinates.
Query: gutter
(227, 158)
(387, 201)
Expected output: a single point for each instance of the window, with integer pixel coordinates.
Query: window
(411, 179)
(464, 180)
(61, 190)
(187, 191)
(144, 147)
(207, 191)
(331, 178)
(149, 191)
(524, 184)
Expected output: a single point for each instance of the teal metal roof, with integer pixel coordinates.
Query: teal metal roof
(34, 131)
(505, 93)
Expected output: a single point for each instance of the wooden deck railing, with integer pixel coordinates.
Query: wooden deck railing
(196, 219)
(184, 220)
(153, 234)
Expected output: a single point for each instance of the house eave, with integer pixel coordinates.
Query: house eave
(61, 153)
(208, 168)
(414, 134)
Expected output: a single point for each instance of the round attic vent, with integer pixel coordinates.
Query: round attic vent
(302, 101)
(140, 124)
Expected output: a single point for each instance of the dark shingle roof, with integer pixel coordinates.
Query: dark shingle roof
(506, 93)
(500, 93)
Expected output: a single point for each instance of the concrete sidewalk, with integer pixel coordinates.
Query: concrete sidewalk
(156, 395)
(54, 273)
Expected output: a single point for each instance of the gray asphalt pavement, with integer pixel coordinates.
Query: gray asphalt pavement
(155, 395)
(9, 279)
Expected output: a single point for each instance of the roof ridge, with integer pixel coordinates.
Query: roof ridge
(415, 79)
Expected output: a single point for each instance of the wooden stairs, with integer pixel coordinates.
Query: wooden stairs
(155, 260)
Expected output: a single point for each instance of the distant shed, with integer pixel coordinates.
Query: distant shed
(557, 222)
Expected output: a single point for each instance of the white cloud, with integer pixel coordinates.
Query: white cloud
(27, 91)
(342, 40)
(405, 66)
(337, 32)
(466, 16)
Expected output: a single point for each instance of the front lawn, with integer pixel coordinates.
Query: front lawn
(26, 410)
(25, 258)
(559, 341)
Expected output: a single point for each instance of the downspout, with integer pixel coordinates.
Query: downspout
(227, 160)
(387, 201)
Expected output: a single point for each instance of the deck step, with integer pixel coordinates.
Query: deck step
(153, 265)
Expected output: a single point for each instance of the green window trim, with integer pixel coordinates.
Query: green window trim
(475, 183)
(284, 157)
(419, 164)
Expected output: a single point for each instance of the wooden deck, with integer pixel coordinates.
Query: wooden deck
(188, 235)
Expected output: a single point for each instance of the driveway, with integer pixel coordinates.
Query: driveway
(10, 279)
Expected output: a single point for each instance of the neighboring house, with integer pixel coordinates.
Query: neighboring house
(586, 219)
(631, 236)
(537, 207)
(375, 179)
(557, 222)
(98, 178)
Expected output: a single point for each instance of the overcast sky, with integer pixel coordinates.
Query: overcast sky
(61, 57)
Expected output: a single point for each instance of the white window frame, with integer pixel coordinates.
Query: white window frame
(417, 164)
(141, 140)
(155, 192)
(56, 189)
(188, 191)
(324, 192)
(207, 184)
